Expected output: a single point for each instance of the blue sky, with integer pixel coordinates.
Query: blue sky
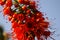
(52, 9)
(49, 7)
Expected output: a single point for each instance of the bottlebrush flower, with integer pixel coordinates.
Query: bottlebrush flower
(27, 21)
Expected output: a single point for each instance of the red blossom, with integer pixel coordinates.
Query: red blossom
(2, 2)
(7, 10)
(9, 3)
(27, 21)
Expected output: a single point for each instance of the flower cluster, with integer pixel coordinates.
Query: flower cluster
(27, 21)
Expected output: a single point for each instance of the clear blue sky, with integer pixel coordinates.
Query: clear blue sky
(51, 8)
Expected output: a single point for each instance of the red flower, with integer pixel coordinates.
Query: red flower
(17, 30)
(38, 14)
(39, 19)
(9, 18)
(20, 17)
(26, 2)
(47, 33)
(2, 2)
(7, 11)
(32, 19)
(21, 1)
(20, 36)
(29, 22)
(15, 15)
(44, 24)
(28, 11)
(12, 20)
(24, 7)
(15, 24)
(32, 4)
(9, 3)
